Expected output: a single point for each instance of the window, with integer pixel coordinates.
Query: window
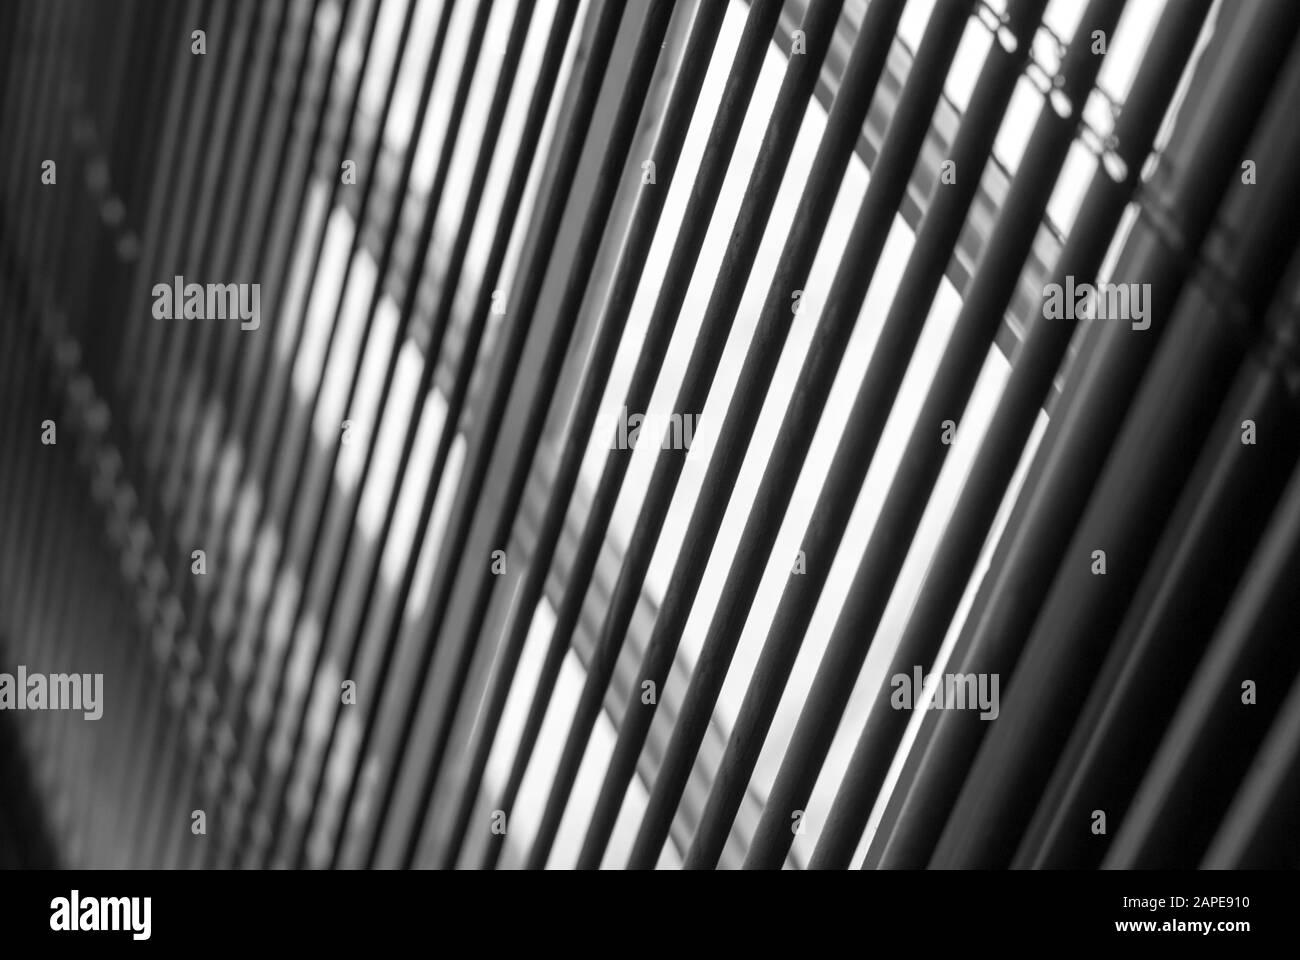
(639, 393)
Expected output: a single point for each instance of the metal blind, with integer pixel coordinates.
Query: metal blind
(367, 580)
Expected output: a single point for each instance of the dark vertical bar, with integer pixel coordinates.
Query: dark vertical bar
(619, 134)
(817, 24)
(1031, 378)
(1214, 735)
(1223, 514)
(39, 609)
(207, 342)
(251, 413)
(176, 416)
(12, 72)
(156, 376)
(871, 407)
(1258, 827)
(644, 62)
(48, 211)
(188, 418)
(284, 489)
(973, 332)
(197, 593)
(717, 156)
(889, 178)
(531, 275)
(1199, 163)
(118, 129)
(136, 372)
(29, 96)
(1130, 504)
(41, 78)
(214, 80)
(723, 303)
(141, 343)
(753, 43)
(214, 697)
(336, 586)
(552, 60)
(1215, 528)
(306, 559)
(68, 646)
(491, 126)
(206, 697)
(138, 154)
